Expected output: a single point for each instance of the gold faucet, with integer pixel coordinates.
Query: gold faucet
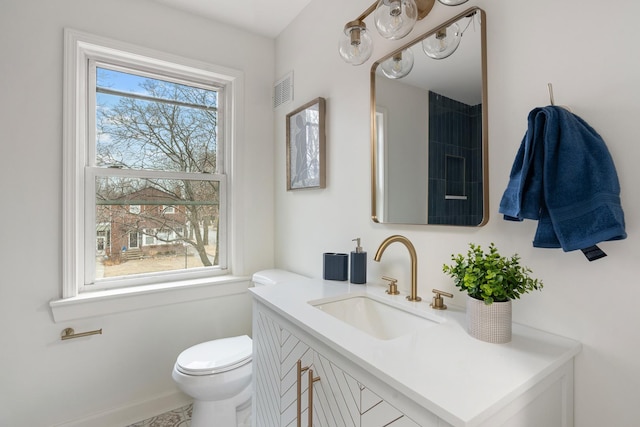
(414, 261)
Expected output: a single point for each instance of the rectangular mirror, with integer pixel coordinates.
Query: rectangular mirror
(429, 128)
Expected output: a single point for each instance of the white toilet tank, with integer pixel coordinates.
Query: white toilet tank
(274, 276)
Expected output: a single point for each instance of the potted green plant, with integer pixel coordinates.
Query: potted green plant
(491, 281)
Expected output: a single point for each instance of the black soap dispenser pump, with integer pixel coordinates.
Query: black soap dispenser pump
(358, 264)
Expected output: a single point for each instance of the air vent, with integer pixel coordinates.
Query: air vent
(283, 90)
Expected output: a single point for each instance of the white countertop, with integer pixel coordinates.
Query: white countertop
(459, 378)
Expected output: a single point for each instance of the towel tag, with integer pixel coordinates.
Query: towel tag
(593, 253)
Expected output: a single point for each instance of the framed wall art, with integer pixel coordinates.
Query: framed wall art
(306, 146)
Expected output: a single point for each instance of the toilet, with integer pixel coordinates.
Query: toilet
(217, 374)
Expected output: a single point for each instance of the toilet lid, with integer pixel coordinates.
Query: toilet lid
(215, 356)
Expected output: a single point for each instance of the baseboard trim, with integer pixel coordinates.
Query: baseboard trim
(130, 414)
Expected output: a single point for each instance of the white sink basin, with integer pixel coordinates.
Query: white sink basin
(375, 316)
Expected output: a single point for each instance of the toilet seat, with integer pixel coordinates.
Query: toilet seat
(217, 356)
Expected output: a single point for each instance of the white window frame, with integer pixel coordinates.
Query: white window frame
(80, 48)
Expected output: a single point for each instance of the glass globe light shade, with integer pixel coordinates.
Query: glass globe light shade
(443, 43)
(452, 2)
(356, 45)
(395, 18)
(399, 65)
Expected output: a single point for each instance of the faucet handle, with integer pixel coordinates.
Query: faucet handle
(437, 302)
(393, 285)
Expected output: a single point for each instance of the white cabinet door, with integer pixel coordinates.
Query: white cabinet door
(340, 400)
(376, 412)
(336, 395)
(266, 371)
(293, 350)
(275, 356)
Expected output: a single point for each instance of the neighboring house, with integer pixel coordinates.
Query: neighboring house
(146, 222)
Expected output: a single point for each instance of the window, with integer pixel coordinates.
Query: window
(148, 237)
(147, 143)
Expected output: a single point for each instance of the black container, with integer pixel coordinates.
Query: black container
(335, 266)
(359, 268)
(358, 265)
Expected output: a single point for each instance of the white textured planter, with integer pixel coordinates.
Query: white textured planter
(490, 323)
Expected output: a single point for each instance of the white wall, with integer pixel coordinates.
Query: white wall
(45, 381)
(585, 48)
(588, 50)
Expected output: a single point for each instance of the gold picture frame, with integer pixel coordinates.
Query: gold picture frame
(306, 140)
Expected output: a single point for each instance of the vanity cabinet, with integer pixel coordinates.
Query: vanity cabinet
(338, 398)
(435, 376)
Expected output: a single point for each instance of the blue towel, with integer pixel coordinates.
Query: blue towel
(563, 176)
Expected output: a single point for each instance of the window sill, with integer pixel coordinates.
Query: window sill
(101, 303)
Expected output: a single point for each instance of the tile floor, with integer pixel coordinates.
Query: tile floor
(180, 417)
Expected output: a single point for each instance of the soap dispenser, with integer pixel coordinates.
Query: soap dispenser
(358, 264)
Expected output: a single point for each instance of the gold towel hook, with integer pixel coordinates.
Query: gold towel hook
(553, 101)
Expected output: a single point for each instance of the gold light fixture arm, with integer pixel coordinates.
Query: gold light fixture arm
(424, 7)
(367, 12)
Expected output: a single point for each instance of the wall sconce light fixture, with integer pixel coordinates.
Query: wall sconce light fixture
(356, 46)
(394, 19)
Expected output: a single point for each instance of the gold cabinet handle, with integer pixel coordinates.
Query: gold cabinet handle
(299, 392)
(312, 380)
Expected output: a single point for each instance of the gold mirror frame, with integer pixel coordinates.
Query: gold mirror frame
(375, 161)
